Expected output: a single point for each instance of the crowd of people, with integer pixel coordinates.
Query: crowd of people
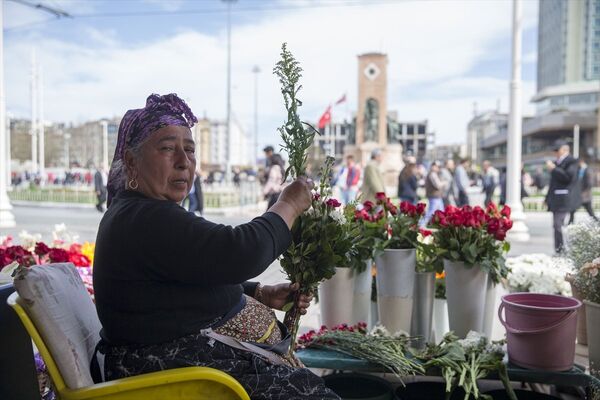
(565, 183)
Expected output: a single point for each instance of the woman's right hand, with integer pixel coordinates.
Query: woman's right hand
(293, 200)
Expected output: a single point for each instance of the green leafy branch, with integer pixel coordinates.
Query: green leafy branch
(297, 135)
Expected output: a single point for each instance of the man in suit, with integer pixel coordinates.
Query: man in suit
(373, 180)
(562, 190)
(462, 183)
(100, 179)
(491, 179)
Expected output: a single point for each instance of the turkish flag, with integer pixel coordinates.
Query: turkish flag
(325, 118)
(341, 100)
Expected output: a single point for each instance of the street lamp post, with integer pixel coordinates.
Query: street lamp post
(256, 71)
(34, 115)
(228, 128)
(41, 132)
(7, 219)
(519, 231)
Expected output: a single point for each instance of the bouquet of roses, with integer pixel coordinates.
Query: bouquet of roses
(474, 236)
(391, 226)
(321, 239)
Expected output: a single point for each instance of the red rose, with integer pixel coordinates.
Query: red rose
(425, 232)
(333, 203)
(41, 249)
(493, 225)
(380, 197)
(368, 205)
(505, 211)
(440, 218)
(506, 224)
(79, 260)
(392, 209)
(58, 255)
(491, 208)
(405, 207)
(316, 196)
(500, 234)
(420, 208)
(18, 254)
(361, 215)
(450, 209)
(380, 214)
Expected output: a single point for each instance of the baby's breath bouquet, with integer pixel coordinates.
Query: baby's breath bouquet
(321, 238)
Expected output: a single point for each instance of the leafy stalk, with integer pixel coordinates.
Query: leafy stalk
(297, 135)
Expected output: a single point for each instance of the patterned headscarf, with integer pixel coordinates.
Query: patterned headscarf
(137, 125)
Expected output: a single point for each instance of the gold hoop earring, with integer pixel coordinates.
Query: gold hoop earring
(131, 184)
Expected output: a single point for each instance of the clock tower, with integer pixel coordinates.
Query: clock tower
(371, 119)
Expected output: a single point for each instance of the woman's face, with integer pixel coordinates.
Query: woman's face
(164, 169)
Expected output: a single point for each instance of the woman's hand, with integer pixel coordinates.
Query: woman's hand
(295, 198)
(277, 296)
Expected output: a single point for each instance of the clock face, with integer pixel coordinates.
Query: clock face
(372, 71)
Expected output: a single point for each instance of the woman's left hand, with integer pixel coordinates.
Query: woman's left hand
(277, 296)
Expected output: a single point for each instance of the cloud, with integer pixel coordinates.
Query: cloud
(431, 47)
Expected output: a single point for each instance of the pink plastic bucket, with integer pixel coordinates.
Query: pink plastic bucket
(540, 330)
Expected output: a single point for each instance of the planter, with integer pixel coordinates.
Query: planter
(581, 315)
(422, 314)
(359, 386)
(395, 284)
(466, 292)
(593, 334)
(335, 298)
(361, 303)
(489, 313)
(440, 319)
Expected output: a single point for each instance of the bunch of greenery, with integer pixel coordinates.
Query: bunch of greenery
(321, 239)
(297, 135)
(463, 362)
(377, 346)
(474, 236)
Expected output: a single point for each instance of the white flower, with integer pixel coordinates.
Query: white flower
(62, 237)
(28, 240)
(337, 216)
(539, 273)
(473, 341)
(379, 331)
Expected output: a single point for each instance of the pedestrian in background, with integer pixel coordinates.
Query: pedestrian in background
(447, 176)
(348, 180)
(561, 193)
(462, 182)
(274, 185)
(408, 183)
(100, 180)
(373, 180)
(434, 190)
(584, 181)
(491, 179)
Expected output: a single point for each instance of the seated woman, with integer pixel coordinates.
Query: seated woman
(171, 288)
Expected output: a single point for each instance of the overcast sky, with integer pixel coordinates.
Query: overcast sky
(443, 57)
